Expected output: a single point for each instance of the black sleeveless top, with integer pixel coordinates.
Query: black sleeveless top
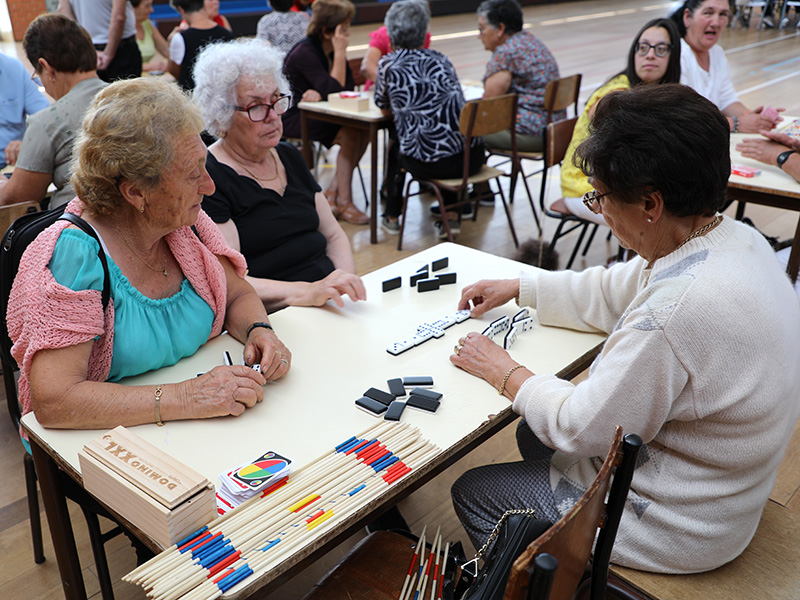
(195, 40)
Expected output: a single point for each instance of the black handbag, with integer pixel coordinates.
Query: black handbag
(512, 534)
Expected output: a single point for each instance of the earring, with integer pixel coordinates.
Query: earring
(141, 210)
(649, 219)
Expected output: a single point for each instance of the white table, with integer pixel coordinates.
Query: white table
(337, 355)
(772, 187)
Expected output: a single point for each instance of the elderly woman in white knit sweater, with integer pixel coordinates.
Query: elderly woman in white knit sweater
(701, 357)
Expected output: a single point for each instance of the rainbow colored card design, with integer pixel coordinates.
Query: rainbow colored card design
(249, 479)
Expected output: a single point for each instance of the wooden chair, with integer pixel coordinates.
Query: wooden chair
(558, 95)
(12, 212)
(570, 539)
(768, 568)
(376, 567)
(557, 138)
(478, 118)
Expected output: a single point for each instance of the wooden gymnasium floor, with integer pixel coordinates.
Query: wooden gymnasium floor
(589, 37)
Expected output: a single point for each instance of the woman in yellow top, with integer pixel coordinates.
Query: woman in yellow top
(654, 57)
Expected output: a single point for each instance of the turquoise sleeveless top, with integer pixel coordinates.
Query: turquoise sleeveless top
(148, 334)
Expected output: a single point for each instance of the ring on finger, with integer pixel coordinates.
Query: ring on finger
(457, 349)
(279, 353)
(284, 361)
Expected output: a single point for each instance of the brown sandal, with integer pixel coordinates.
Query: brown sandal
(351, 214)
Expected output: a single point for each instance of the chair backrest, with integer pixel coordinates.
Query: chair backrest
(557, 137)
(571, 538)
(358, 74)
(560, 93)
(488, 115)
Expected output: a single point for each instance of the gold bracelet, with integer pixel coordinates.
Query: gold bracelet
(157, 394)
(502, 387)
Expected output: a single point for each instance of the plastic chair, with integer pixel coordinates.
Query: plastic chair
(478, 118)
(558, 95)
(556, 141)
(571, 538)
(744, 10)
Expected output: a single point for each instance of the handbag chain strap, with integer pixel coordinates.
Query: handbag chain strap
(493, 535)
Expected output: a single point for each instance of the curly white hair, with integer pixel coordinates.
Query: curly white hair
(221, 66)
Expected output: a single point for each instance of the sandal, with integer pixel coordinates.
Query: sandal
(351, 214)
(331, 197)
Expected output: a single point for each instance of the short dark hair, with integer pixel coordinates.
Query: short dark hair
(281, 5)
(64, 44)
(677, 16)
(327, 14)
(665, 138)
(507, 12)
(673, 72)
(188, 6)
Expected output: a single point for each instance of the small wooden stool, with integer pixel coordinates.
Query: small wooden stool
(768, 568)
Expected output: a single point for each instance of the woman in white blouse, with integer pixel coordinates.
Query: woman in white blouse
(705, 68)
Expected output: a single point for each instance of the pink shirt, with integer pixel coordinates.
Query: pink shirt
(380, 39)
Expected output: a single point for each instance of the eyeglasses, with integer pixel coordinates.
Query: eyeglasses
(260, 112)
(592, 201)
(642, 48)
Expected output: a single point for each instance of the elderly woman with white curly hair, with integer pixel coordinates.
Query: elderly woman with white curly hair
(267, 204)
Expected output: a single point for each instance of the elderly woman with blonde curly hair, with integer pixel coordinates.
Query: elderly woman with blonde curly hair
(267, 203)
(139, 174)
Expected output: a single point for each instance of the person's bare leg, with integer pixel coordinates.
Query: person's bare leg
(351, 146)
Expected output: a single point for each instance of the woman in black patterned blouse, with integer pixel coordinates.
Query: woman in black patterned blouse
(421, 89)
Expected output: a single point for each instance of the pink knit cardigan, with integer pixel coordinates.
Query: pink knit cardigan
(43, 314)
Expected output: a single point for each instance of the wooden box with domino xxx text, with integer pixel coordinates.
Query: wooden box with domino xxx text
(158, 494)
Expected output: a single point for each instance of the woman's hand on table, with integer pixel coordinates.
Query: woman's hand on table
(224, 390)
(791, 143)
(263, 347)
(311, 96)
(488, 294)
(478, 355)
(762, 150)
(753, 121)
(333, 287)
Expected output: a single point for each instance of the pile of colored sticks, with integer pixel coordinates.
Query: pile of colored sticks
(421, 569)
(260, 533)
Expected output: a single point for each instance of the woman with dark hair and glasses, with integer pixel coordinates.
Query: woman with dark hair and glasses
(267, 204)
(654, 57)
(700, 361)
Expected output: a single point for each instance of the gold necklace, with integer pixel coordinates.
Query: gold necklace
(163, 271)
(256, 177)
(702, 231)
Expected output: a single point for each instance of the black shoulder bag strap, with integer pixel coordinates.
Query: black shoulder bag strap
(89, 230)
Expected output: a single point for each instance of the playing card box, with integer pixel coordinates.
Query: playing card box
(158, 494)
(357, 101)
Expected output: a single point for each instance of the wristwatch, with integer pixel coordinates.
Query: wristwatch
(783, 157)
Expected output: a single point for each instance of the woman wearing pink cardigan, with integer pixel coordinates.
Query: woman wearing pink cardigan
(140, 177)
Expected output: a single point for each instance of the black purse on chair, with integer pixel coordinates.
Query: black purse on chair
(512, 534)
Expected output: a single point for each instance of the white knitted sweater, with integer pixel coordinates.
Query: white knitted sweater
(703, 361)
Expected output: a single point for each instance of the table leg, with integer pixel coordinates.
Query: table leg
(373, 222)
(308, 153)
(55, 505)
(794, 255)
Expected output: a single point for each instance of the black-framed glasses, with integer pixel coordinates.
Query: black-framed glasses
(260, 112)
(662, 49)
(592, 201)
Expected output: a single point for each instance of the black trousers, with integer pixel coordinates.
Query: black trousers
(444, 168)
(127, 61)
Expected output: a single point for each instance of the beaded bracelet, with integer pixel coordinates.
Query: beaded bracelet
(735, 125)
(502, 387)
(258, 324)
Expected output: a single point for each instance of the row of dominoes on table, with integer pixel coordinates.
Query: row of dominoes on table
(427, 331)
(512, 326)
